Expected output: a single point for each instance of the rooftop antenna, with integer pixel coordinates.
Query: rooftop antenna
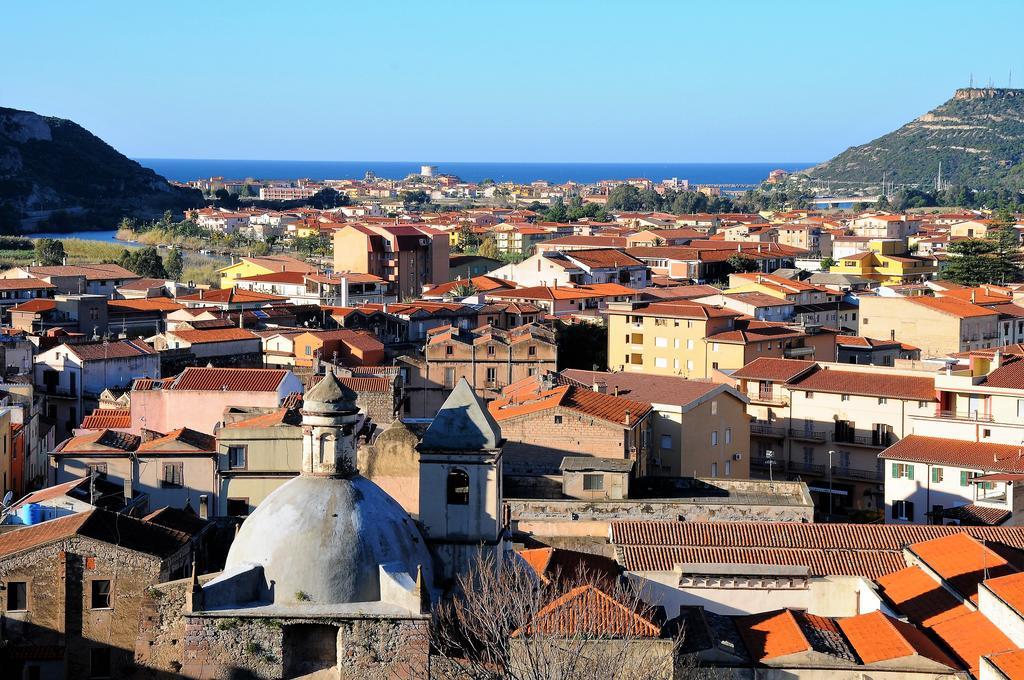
(972, 80)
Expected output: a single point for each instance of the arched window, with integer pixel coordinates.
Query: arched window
(458, 487)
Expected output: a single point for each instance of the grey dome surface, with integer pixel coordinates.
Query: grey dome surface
(329, 391)
(322, 540)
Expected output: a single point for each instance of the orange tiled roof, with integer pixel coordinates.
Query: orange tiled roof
(971, 637)
(230, 295)
(777, 370)
(589, 611)
(1009, 589)
(108, 418)
(961, 561)
(870, 384)
(144, 305)
(272, 419)
(1010, 664)
(951, 306)
(35, 306)
(214, 335)
(182, 440)
(781, 633)
(957, 453)
(552, 564)
(920, 597)
(234, 379)
(529, 398)
(877, 637)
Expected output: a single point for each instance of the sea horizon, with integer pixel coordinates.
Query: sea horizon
(186, 169)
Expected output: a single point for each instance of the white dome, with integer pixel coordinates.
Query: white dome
(322, 540)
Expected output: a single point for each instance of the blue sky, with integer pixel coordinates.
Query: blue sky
(499, 81)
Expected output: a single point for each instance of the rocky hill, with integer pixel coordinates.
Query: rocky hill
(54, 173)
(978, 135)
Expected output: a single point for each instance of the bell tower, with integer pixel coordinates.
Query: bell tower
(329, 418)
(460, 482)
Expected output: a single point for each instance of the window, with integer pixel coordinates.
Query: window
(986, 432)
(714, 437)
(728, 468)
(903, 510)
(449, 350)
(902, 471)
(593, 482)
(966, 477)
(173, 477)
(882, 401)
(728, 435)
(531, 350)
(808, 395)
(661, 342)
(666, 441)
(449, 377)
(17, 596)
(714, 347)
(237, 456)
(99, 662)
(689, 344)
(238, 507)
(714, 407)
(558, 420)
(714, 469)
(845, 397)
(808, 455)
(309, 350)
(689, 364)
(99, 595)
(492, 374)
(936, 475)
(458, 487)
(660, 362)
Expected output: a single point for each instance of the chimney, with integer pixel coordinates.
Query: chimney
(204, 506)
(972, 295)
(600, 386)
(628, 418)
(997, 360)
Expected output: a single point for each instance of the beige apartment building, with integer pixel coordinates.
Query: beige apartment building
(693, 340)
(488, 358)
(826, 423)
(937, 326)
(698, 428)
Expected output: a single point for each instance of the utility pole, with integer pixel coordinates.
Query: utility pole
(830, 454)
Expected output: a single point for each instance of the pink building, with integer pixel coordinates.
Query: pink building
(196, 398)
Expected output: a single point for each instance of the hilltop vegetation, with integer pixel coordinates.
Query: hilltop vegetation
(978, 136)
(56, 174)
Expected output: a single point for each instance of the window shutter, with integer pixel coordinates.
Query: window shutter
(910, 472)
(935, 475)
(963, 478)
(895, 471)
(910, 510)
(895, 509)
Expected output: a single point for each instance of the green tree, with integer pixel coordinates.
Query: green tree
(464, 289)
(1005, 260)
(827, 263)
(741, 264)
(414, 199)
(146, 262)
(971, 262)
(174, 265)
(489, 248)
(49, 252)
(625, 197)
(328, 198)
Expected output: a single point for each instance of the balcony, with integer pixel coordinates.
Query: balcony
(871, 441)
(808, 468)
(767, 397)
(857, 473)
(797, 352)
(973, 416)
(766, 430)
(808, 434)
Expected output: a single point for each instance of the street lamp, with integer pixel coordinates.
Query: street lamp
(830, 454)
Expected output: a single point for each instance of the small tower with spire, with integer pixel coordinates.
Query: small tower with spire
(329, 419)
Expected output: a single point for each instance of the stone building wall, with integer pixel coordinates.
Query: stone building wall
(59, 577)
(204, 647)
(392, 463)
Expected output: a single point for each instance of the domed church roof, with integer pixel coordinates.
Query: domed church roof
(330, 392)
(323, 540)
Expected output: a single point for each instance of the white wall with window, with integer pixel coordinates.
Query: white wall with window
(917, 492)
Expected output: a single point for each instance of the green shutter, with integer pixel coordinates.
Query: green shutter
(895, 471)
(935, 475)
(963, 478)
(910, 472)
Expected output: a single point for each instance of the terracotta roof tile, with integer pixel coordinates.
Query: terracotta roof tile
(144, 305)
(35, 306)
(952, 307)
(108, 418)
(920, 597)
(873, 384)
(659, 389)
(971, 637)
(230, 295)
(957, 453)
(1010, 664)
(962, 561)
(589, 611)
(52, 492)
(877, 637)
(182, 440)
(214, 335)
(528, 397)
(99, 351)
(552, 564)
(1010, 589)
(776, 370)
(116, 529)
(1009, 375)
(25, 284)
(781, 633)
(234, 379)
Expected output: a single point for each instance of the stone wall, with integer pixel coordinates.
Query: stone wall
(59, 577)
(392, 463)
(205, 647)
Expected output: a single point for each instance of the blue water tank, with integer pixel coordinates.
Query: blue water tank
(31, 513)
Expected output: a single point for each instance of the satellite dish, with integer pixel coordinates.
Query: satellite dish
(8, 497)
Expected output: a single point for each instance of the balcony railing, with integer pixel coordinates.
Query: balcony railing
(811, 468)
(877, 441)
(808, 434)
(767, 397)
(857, 473)
(964, 415)
(767, 430)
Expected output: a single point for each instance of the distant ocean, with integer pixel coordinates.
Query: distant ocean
(184, 170)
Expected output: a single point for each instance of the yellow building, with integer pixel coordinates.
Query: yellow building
(791, 290)
(938, 326)
(256, 266)
(885, 262)
(664, 338)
